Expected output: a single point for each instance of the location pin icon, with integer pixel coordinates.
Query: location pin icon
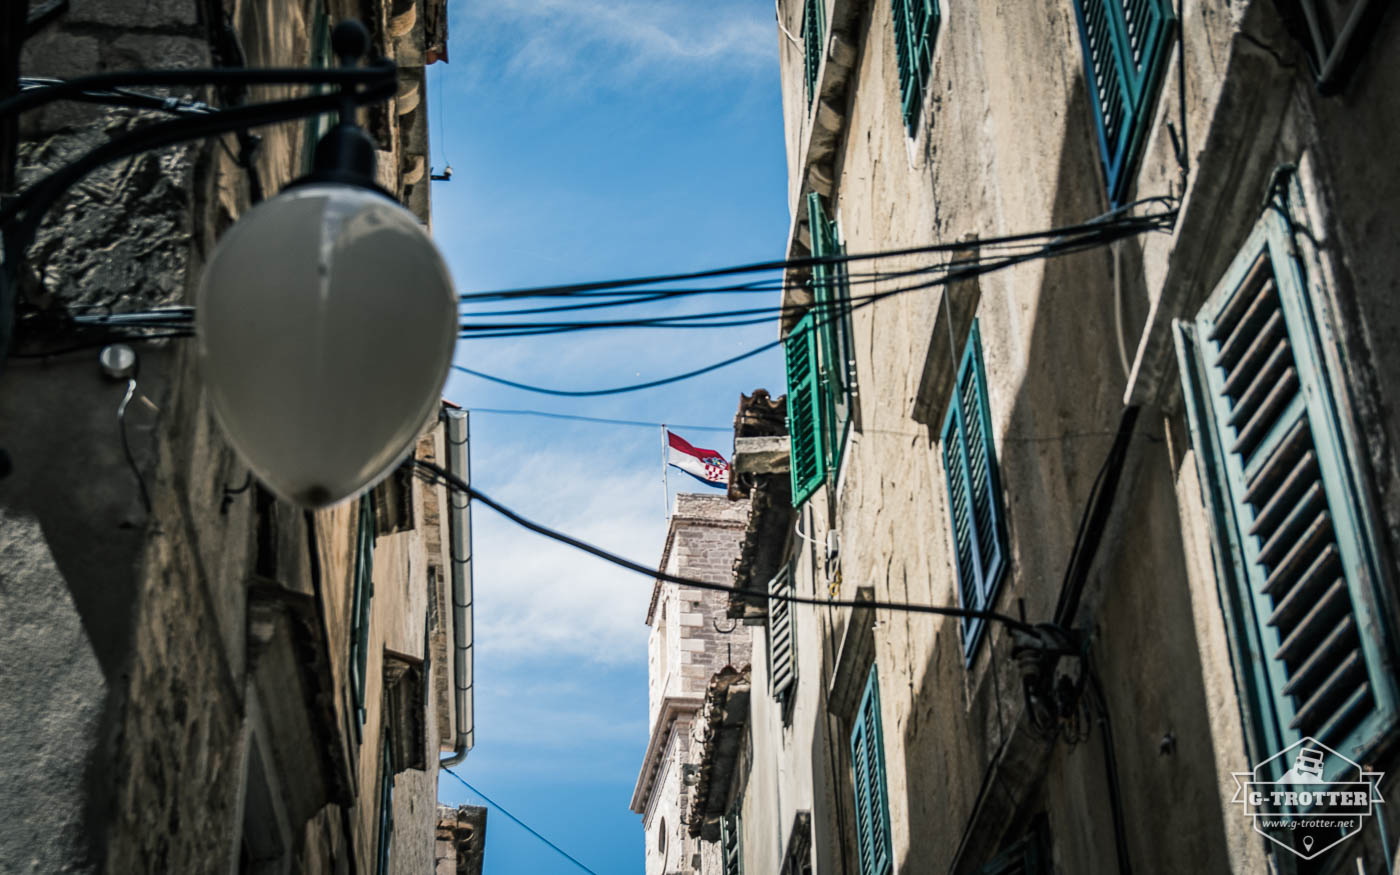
(1307, 843)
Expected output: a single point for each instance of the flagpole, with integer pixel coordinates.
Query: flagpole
(665, 475)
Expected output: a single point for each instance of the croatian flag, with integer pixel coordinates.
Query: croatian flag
(707, 466)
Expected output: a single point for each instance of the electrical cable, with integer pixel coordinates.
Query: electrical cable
(618, 390)
(1098, 223)
(126, 445)
(518, 822)
(598, 419)
(441, 476)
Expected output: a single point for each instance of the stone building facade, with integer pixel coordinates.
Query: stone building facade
(1169, 463)
(200, 677)
(461, 840)
(691, 640)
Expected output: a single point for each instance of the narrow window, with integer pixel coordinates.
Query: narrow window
(872, 809)
(386, 805)
(915, 31)
(359, 606)
(974, 491)
(731, 844)
(782, 664)
(813, 41)
(820, 362)
(1297, 561)
(1125, 53)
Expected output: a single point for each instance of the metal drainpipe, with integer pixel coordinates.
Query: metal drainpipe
(459, 526)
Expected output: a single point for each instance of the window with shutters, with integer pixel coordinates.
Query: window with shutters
(915, 30)
(393, 502)
(1296, 558)
(806, 405)
(831, 297)
(782, 657)
(385, 842)
(974, 491)
(1125, 46)
(731, 846)
(1029, 855)
(1335, 34)
(813, 43)
(359, 606)
(872, 810)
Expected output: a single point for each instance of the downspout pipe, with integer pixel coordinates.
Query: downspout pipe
(459, 539)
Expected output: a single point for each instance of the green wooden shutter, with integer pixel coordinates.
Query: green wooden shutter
(872, 811)
(915, 32)
(974, 490)
(813, 43)
(730, 844)
(1125, 46)
(806, 403)
(386, 804)
(1298, 562)
(359, 607)
(782, 663)
(831, 296)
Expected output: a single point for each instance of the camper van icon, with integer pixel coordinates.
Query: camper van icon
(1307, 768)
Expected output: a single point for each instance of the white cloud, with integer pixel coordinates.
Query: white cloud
(534, 596)
(547, 38)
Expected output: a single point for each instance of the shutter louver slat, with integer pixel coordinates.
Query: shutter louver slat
(1306, 512)
(1339, 641)
(1347, 676)
(1332, 603)
(1298, 557)
(1304, 473)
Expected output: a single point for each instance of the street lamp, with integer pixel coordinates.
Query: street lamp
(325, 318)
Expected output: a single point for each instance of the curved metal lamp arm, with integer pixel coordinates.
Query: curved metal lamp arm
(28, 208)
(70, 89)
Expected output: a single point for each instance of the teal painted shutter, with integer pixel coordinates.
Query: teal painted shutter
(359, 608)
(813, 43)
(782, 664)
(868, 770)
(730, 844)
(806, 401)
(974, 490)
(1294, 548)
(1125, 52)
(386, 804)
(915, 32)
(831, 296)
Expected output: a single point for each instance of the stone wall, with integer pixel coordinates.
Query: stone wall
(158, 654)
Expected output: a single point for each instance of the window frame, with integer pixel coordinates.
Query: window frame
(813, 45)
(362, 584)
(866, 724)
(1136, 84)
(988, 574)
(1259, 677)
(914, 55)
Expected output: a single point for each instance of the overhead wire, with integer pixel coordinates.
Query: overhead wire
(598, 419)
(520, 823)
(438, 475)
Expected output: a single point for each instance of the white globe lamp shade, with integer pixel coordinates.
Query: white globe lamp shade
(326, 323)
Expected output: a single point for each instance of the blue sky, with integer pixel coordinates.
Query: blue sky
(591, 139)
